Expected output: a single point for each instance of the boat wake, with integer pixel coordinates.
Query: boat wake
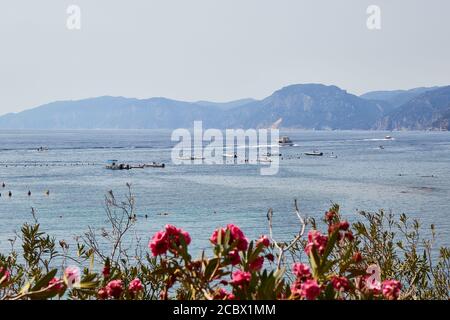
(378, 139)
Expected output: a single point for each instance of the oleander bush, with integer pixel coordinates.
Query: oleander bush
(377, 257)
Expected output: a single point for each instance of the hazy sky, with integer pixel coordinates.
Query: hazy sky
(216, 49)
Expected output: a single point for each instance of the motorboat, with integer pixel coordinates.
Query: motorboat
(285, 142)
(230, 155)
(115, 165)
(118, 166)
(155, 165)
(191, 158)
(314, 153)
(268, 154)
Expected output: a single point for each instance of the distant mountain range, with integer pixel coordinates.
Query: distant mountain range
(307, 106)
(426, 111)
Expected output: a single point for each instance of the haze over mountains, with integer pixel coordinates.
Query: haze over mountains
(307, 106)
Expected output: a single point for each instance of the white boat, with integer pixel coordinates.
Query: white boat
(265, 159)
(388, 138)
(314, 153)
(285, 142)
(273, 154)
(230, 155)
(191, 158)
(154, 165)
(114, 165)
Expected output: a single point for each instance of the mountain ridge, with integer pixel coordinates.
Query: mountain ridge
(307, 106)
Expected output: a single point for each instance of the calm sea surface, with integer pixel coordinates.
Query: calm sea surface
(410, 175)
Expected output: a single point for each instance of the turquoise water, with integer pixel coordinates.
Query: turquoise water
(411, 175)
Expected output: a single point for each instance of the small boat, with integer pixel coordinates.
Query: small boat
(314, 153)
(285, 142)
(121, 166)
(115, 165)
(42, 149)
(332, 155)
(273, 154)
(155, 165)
(191, 158)
(388, 138)
(230, 155)
(265, 159)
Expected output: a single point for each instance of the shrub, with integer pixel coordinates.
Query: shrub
(376, 258)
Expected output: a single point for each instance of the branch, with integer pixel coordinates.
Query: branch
(282, 249)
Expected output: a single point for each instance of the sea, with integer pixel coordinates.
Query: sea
(409, 173)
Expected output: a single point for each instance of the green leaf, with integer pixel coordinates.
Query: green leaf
(212, 264)
(314, 261)
(43, 282)
(330, 245)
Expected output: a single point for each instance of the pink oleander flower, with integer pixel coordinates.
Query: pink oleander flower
(264, 241)
(222, 294)
(159, 244)
(270, 257)
(301, 271)
(296, 287)
(114, 288)
(187, 237)
(391, 289)
(164, 240)
(309, 289)
(174, 234)
(102, 294)
(4, 275)
(236, 235)
(344, 225)
(234, 257)
(256, 264)
(241, 278)
(57, 285)
(316, 240)
(340, 283)
(357, 257)
(135, 286)
(215, 236)
(329, 216)
(106, 271)
(349, 236)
